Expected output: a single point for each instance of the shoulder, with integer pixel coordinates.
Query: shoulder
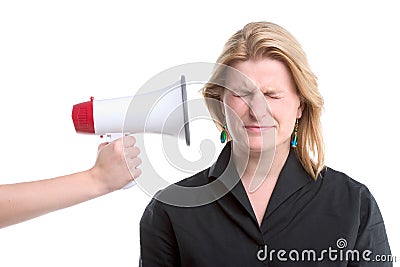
(179, 194)
(198, 179)
(334, 177)
(342, 185)
(354, 197)
(356, 204)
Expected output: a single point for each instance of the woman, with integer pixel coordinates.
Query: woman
(287, 208)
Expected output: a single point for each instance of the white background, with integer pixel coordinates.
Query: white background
(54, 54)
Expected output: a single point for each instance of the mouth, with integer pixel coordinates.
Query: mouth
(257, 129)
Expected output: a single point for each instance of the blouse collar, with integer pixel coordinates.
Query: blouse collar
(291, 178)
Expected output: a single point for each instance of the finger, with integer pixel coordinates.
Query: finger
(128, 140)
(133, 163)
(132, 152)
(136, 173)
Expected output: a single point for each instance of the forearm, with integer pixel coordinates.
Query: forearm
(23, 201)
(116, 166)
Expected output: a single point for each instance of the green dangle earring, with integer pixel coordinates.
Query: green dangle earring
(223, 135)
(296, 128)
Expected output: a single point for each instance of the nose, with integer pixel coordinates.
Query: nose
(258, 106)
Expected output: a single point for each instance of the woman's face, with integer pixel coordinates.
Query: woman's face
(261, 110)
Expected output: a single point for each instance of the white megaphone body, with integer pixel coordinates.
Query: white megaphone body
(162, 111)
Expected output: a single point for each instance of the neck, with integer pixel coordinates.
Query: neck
(254, 167)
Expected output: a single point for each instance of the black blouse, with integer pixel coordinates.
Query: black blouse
(331, 221)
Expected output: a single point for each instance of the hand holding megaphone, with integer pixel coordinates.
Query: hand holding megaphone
(162, 111)
(117, 164)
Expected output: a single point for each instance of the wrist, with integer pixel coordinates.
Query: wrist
(96, 182)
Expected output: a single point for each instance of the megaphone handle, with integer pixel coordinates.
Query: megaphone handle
(111, 137)
(129, 185)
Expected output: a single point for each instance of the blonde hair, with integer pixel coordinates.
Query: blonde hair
(267, 40)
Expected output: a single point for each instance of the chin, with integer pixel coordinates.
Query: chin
(259, 146)
(256, 143)
(258, 149)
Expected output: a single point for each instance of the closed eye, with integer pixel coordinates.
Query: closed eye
(273, 96)
(241, 93)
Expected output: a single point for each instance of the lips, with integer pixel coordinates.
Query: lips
(256, 128)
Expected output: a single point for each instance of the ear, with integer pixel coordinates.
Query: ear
(222, 107)
(300, 110)
(221, 103)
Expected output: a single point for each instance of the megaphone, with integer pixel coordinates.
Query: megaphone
(162, 111)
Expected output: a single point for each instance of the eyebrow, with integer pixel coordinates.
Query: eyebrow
(246, 87)
(242, 87)
(270, 90)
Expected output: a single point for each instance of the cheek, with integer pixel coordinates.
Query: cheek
(235, 112)
(233, 117)
(234, 107)
(283, 112)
